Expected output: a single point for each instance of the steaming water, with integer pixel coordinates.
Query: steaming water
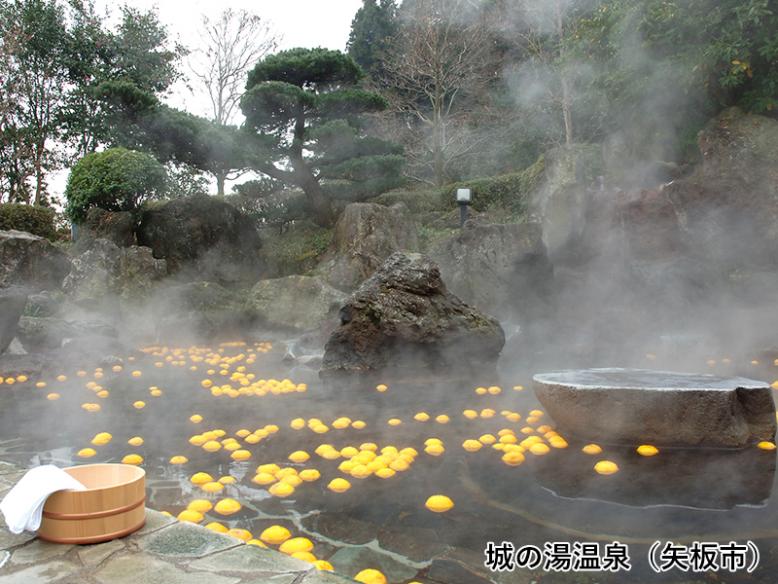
(683, 495)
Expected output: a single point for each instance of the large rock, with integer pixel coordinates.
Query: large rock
(105, 274)
(203, 237)
(403, 320)
(44, 333)
(300, 303)
(635, 406)
(561, 202)
(501, 269)
(117, 227)
(30, 261)
(729, 203)
(365, 235)
(12, 303)
(650, 224)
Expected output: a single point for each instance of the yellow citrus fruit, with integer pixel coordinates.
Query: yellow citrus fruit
(200, 505)
(323, 565)
(190, 516)
(275, 535)
(339, 485)
(212, 487)
(227, 507)
(281, 489)
(370, 576)
(296, 544)
(200, 478)
(310, 474)
(472, 445)
(299, 456)
(102, 439)
(606, 467)
(439, 504)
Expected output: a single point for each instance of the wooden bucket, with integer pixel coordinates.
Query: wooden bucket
(112, 506)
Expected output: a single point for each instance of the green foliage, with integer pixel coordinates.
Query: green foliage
(142, 53)
(662, 68)
(115, 180)
(270, 208)
(258, 188)
(372, 30)
(507, 193)
(54, 57)
(31, 218)
(429, 236)
(184, 180)
(142, 122)
(308, 114)
(33, 74)
(271, 105)
(297, 250)
(320, 68)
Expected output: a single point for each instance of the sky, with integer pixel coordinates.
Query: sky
(300, 23)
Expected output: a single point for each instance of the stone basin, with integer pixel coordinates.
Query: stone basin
(641, 406)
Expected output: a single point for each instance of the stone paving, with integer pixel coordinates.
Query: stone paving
(165, 551)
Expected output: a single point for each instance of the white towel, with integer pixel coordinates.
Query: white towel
(22, 507)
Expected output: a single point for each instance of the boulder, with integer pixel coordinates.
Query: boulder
(30, 261)
(562, 200)
(91, 280)
(117, 227)
(365, 235)
(202, 237)
(728, 204)
(299, 303)
(106, 274)
(403, 320)
(12, 303)
(502, 269)
(650, 224)
(635, 406)
(44, 333)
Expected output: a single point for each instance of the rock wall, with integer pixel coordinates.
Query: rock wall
(365, 235)
(202, 237)
(31, 261)
(500, 269)
(295, 303)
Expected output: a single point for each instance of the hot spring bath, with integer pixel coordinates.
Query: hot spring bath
(218, 424)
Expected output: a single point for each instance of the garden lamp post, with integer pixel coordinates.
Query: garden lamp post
(463, 199)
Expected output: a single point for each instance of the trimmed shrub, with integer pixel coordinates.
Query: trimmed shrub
(296, 251)
(507, 191)
(115, 180)
(31, 218)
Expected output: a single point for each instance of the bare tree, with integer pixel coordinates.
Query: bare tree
(234, 43)
(437, 74)
(541, 28)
